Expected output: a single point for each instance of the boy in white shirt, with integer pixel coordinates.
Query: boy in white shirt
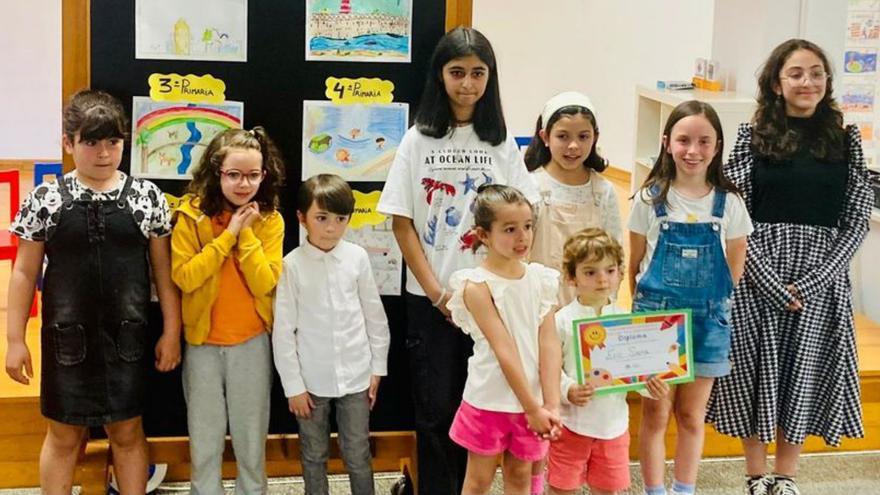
(594, 446)
(330, 337)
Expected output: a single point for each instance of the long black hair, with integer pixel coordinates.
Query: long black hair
(772, 137)
(538, 154)
(435, 117)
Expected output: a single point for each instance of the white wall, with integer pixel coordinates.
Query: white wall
(603, 48)
(30, 79)
(746, 31)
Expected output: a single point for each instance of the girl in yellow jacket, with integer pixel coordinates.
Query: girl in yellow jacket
(226, 259)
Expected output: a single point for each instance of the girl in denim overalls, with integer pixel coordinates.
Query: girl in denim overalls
(688, 231)
(565, 165)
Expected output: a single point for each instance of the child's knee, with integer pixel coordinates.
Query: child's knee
(477, 483)
(655, 417)
(690, 419)
(126, 434)
(67, 438)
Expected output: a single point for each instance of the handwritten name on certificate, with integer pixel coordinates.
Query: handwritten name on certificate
(621, 352)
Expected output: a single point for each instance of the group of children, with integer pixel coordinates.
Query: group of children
(489, 315)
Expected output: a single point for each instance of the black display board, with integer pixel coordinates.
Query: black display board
(272, 84)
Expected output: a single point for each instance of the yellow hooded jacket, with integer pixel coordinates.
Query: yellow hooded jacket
(197, 257)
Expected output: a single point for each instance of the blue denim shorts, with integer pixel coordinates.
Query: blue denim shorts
(710, 326)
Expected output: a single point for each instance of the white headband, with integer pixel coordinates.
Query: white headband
(562, 100)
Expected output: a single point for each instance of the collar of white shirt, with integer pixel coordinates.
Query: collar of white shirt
(317, 253)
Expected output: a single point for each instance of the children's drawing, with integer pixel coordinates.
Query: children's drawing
(857, 98)
(860, 61)
(168, 139)
(359, 30)
(371, 230)
(191, 30)
(862, 26)
(357, 142)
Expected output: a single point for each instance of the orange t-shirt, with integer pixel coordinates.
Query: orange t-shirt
(234, 317)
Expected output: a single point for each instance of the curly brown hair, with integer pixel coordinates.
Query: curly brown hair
(205, 183)
(591, 244)
(772, 137)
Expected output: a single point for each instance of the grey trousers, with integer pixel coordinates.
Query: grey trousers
(353, 420)
(228, 383)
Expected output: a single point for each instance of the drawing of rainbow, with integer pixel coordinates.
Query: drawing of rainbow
(165, 117)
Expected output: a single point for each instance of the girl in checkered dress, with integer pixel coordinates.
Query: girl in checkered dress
(803, 177)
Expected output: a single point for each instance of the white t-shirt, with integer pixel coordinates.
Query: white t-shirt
(736, 222)
(604, 417)
(522, 304)
(434, 182)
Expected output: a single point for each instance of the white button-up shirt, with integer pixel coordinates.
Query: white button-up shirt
(330, 332)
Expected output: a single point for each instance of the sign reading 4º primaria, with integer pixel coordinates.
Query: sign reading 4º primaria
(189, 88)
(361, 90)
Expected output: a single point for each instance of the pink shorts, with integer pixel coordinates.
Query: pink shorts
(576, 460)
(491, 433)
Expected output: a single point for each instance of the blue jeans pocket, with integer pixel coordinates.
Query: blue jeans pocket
(714, 339)
(70, 344)
(688, 265)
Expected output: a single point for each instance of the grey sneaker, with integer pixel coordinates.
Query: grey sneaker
(783, 485)
(759, 485)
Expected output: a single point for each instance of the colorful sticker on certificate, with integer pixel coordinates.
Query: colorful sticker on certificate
(621, 352)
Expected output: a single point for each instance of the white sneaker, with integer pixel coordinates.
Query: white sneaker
(759, 485)
(784, 486)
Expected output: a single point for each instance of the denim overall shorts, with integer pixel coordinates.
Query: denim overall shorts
(689, 270)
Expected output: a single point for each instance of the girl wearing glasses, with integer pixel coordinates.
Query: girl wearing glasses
(802, 175)
(226, 259)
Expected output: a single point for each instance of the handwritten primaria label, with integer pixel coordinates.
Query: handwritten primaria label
(361, 90)
(189, 88)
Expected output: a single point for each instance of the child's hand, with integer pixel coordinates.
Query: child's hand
(657, 388)
(541, 421)
(167, 352)
(243, 217)
(301, 405)
(18, 355)
(252, 214)
(373, 392)
(580, 395)
(555, 424)
(795, 305)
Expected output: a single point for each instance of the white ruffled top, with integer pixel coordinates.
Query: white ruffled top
(522, 304)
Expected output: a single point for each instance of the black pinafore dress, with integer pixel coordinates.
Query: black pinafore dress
(95, 302)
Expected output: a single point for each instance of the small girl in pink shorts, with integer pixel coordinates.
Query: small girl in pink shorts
(511, 397)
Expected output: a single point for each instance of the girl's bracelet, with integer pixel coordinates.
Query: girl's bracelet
(439, 300)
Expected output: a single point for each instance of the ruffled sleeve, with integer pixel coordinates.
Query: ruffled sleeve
(549, 288)
(460, 314)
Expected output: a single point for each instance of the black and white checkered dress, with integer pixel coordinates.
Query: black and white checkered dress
(795, 370)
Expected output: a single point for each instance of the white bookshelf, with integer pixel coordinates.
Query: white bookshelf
(653, 108)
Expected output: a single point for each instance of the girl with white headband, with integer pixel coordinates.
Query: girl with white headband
(563, 160)
(565, 164)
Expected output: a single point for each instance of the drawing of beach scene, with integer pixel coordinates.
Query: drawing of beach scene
(359, 30)
(357, 142)
(168, 139)
(191, 30)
